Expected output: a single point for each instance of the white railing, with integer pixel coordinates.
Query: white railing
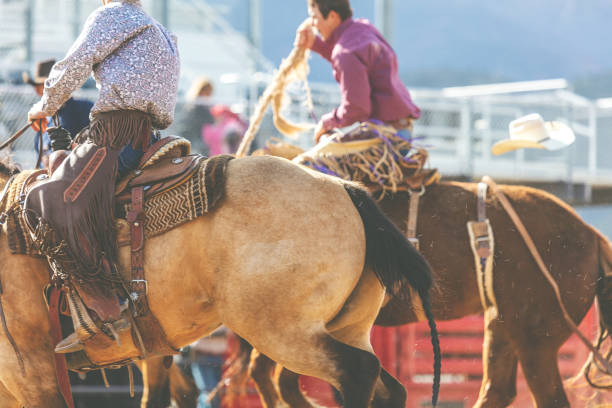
(459, 131)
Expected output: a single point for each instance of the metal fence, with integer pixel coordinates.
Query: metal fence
(458, 131)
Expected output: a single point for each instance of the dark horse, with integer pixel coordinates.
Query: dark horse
(527, 325)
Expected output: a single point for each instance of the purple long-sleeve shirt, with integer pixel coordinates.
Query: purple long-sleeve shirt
(365, 66)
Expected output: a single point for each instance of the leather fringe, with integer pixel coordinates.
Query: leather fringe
(117, 129)
(93, 233)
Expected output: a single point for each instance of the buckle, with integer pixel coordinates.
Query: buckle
(414, 242)
(146, 284)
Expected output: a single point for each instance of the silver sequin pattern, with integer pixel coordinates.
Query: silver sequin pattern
(134, 60)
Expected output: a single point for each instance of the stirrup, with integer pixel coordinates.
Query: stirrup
(113, 328)
(73, 342)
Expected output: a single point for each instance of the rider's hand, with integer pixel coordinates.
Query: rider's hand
(38, 118)
(319, 132)
(305, 36)
(39, 125)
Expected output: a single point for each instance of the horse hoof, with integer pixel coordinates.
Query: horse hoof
(70, 344)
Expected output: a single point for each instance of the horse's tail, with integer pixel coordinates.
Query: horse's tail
(396, 263)
(604, 289)
(236, 373)
(604, 300)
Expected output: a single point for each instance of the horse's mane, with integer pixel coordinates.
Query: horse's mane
(7, 166)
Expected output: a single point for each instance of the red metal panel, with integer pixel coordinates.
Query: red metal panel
(406, 352)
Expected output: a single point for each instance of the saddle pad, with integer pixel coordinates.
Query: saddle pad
(198, 195)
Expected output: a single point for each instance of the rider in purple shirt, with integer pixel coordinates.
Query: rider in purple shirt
(364, 65)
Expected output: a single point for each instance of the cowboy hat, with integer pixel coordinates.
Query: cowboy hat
(532, 132)
(42, 71)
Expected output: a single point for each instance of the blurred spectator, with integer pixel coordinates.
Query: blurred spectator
(207, 356)
(225, 134)
(73, 115)
(196, 113)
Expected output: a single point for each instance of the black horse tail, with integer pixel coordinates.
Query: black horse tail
(604, 299)
(396, 263)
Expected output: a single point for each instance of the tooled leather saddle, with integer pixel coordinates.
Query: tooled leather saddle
(165, 168)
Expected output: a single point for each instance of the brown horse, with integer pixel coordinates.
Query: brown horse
(527, 325)
(292, 261)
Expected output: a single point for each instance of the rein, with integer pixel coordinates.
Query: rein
(16, 136)
(274, 93)
(536, 256)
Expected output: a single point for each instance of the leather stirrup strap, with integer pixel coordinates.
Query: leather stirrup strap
(536, 256)
(61, 369)
(411, 234)
(482, 245)
(413, 216)
(153, 337)
(136, 217)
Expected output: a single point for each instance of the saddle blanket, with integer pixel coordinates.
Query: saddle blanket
(168, 209)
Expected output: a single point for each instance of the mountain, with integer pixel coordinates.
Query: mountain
(462, 42)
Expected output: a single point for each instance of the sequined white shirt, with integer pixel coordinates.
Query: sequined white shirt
(134, 60)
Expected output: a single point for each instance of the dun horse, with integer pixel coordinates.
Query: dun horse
(527, 325)
(293, 261)
(26, 316)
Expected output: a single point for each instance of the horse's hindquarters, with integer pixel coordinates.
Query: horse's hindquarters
(286, 245)
(293, 244)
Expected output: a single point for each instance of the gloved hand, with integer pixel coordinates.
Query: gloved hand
(60, 138)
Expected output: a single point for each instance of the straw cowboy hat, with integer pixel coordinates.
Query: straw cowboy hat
(532, 132)
(43, 68)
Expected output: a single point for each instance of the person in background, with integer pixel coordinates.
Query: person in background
(73, 115)
(207, 356)
(196, 113)
(225, 134)
(364, 65)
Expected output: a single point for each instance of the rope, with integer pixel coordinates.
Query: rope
(294, 67)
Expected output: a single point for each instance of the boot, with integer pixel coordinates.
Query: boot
(104, 302)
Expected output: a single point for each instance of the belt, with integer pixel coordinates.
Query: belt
(403, 123)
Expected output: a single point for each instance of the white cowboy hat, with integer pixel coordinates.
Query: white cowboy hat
(532, 132)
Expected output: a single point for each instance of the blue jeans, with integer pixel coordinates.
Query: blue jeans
(130, 157)
(206, 371)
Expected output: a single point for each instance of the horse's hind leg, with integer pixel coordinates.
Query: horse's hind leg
(539, 364)
(289, 388)
(498, 387)
(388, 392)
(353, 371)
(261, 370)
